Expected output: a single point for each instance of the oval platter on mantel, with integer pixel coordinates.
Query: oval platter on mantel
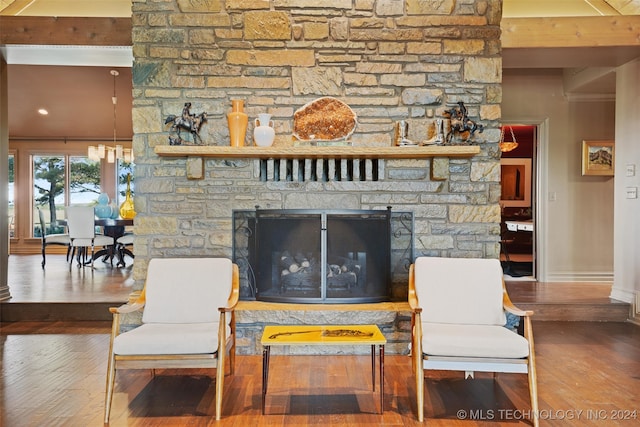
(324, 119)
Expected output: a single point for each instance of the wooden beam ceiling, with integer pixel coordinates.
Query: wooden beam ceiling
(38, 30)
(585, 31)
(590, 31)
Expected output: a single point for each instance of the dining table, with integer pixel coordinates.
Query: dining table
(112, 227)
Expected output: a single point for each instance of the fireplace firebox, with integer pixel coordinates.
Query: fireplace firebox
(315, 256)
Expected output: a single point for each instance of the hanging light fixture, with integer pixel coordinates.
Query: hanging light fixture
(506, 146)
(117, 151)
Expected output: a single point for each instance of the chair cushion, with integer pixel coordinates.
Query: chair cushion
(56, 239)
(103, 241)
(98, 241)
(460, 290)
(472, 341)
(157, 338)
(186, 290)
(126, 239)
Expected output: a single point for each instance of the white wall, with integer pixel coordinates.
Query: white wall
(578, 226)
(627, 211)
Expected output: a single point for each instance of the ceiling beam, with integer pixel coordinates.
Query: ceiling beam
(38, 30)
(588, 31)
(584, 31)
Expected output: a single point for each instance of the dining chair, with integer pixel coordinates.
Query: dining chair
(123, 243)
(82, 233)
(60, 239)
(188, 321)
(458, 323)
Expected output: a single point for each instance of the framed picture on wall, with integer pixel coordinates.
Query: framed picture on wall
(598, 158)
(515, 182)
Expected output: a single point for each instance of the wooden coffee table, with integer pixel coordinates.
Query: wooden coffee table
(293, 335)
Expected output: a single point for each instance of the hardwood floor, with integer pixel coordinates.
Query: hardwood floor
(29, 282)
(53, 373)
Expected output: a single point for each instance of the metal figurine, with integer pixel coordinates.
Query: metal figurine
(187, 121)
(461, 123)
(439, 137)
(401, 132)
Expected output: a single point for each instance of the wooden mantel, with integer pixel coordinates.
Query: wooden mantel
(439, 155)
(331, 152)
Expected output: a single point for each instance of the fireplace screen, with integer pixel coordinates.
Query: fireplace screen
(319, 256)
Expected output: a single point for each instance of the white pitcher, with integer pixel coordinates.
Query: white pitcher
(263, 133)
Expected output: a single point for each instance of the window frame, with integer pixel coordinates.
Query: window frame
(24, 206)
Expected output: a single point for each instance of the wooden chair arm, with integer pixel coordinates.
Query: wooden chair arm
(413, 297)
(234, 297)
(138, 304)
(510, 307)
(126, 308)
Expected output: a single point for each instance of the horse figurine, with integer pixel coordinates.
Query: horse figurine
(460, 122)
(187, 121)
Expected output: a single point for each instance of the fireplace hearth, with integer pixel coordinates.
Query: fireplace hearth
(321, 256)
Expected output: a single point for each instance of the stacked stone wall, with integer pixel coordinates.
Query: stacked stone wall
(389, 60)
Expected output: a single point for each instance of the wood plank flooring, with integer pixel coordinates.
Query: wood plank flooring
(29, 282)
(53, 374)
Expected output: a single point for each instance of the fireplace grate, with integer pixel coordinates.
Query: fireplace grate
(321, 170)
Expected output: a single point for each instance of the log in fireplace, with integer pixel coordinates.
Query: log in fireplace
(319, 256)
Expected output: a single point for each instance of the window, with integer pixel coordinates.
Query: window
(11, 195)
(61, 180)
(124, 169)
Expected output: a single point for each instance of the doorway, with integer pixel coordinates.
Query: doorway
(517, 201)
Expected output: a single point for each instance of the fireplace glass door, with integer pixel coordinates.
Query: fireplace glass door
(321, 256)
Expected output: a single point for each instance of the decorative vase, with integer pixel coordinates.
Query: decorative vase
(102, 209)
(238, 121)
(263, 133)
(127, 210)
(115, 212)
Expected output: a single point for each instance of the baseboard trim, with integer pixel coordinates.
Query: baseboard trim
(595, 277)
(47, 312)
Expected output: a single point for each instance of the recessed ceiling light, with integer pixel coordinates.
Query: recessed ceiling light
(42, 111)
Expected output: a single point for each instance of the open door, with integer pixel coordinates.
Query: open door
(517, 200)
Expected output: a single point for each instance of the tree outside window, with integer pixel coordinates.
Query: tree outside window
(125, 169)
(51, 192)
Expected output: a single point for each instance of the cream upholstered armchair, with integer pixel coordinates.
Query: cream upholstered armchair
(188, 321)
(458, 316)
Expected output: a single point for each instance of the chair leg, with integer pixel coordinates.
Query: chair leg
(111, 377)
(232, 358)
(420, 390)
(533, 392)
(73, 254)
(220, 382)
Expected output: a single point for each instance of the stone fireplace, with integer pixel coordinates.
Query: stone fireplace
(388, 60)
(322, 256)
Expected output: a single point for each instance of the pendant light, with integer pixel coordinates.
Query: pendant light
(506, 146)
(115, 152)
